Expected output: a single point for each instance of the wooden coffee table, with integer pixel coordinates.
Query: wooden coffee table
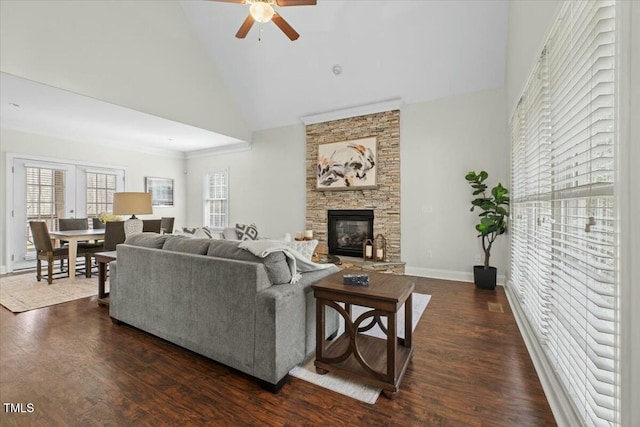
(370, 360)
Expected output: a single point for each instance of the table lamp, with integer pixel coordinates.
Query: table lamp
(131, 203)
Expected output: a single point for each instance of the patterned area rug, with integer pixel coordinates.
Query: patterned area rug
(364, 393)
(21, 292)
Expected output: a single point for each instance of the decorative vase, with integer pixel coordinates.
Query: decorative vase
(484, 278)
(132, 226)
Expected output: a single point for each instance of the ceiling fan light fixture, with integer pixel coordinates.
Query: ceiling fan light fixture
(261, 11)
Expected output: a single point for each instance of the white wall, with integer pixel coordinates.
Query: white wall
(266, 183)
(440, 141)
(137, 166)
(139, 54)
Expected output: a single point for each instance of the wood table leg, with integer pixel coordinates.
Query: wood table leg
(320, 327)
(392, 348)
(408, 321)
(391, 394)
(102, 279)
(73, 253)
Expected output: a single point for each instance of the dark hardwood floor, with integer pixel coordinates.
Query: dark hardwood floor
(470, 368)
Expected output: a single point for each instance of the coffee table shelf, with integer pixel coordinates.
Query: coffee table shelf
(373, 350)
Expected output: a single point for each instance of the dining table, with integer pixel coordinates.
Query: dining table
(73, 237)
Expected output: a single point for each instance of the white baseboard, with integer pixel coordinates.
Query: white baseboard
(3, 269)
(458, 276)
(561, 406)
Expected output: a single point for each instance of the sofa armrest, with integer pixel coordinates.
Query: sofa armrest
(280, 331)
(285, 326)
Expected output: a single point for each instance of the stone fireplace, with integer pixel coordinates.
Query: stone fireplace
(383, 200)
(348, 230)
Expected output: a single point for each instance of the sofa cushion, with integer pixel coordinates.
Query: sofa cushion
(147, 240)
(275, 263)
(247, 232)
(187, 245)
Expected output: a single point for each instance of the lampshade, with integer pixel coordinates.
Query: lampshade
(261, 11)
(131, 203)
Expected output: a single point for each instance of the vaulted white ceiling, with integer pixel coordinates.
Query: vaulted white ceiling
(180, 76)
(414, 50)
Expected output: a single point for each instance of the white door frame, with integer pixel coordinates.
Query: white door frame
(81, 166)
(19, 234)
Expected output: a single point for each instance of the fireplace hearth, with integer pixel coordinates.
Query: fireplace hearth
(348, 230)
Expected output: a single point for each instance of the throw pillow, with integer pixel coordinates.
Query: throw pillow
(304, 247)
(275, 263)
(198, 232)
(230, 233)
(247, 232)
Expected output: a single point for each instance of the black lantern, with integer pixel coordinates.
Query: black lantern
(368, 250)
(380, 247)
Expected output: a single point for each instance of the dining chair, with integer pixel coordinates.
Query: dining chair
(97, 224)
(166, 224)
(151, 225)
(45, 250)
(113, 235)
(65, 224)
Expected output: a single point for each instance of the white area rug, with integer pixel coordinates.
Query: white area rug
(364, 393)
(21, 292)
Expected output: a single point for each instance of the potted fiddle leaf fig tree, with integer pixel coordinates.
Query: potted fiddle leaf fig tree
(493, 222)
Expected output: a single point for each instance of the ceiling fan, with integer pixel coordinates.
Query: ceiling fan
(263, 11)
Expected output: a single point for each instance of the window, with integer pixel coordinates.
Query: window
(100, 189)
(563, 217)
(216, 199)
(45, 199)
(49, 189)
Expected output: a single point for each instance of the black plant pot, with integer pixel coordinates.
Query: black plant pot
(484, 278)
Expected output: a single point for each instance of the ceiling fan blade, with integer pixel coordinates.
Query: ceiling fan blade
(285, 27)
(245, 27)
(230, 1)
(284, 3)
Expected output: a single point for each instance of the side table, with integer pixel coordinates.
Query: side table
(103, 258)
(370, 360)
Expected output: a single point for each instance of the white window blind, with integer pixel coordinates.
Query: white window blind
(216, 199)
(44, 198)
(563, 222)
(100, 190)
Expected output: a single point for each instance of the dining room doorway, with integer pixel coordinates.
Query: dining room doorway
(46, 190)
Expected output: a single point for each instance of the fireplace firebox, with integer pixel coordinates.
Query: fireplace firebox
(348, 230)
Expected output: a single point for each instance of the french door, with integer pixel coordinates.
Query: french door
(47, 191)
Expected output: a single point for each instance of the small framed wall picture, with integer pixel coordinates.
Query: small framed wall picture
(161, 190)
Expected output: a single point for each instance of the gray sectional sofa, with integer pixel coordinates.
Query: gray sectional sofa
(219, 301)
